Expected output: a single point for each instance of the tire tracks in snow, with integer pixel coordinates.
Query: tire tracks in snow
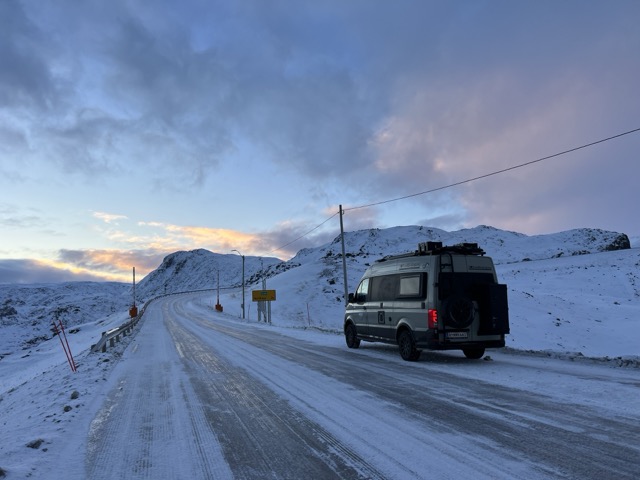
(353, 406)
(150, 427)
(261, 434)
(503, 432)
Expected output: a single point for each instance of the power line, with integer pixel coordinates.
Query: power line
(492, 173)
(304, 234)
(469, 180)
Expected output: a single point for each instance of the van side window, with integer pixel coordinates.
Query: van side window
(398, 286)
(384, 288)
(362, 291)
(410, 286)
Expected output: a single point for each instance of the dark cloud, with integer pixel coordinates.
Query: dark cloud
(297, 106)
(581, 189)
(33, 271)
(82, 265)
(448, 222)
(113, 262)
(25, 77)
(287, 95)
(88, 145)
(287, 239)
(370, 100)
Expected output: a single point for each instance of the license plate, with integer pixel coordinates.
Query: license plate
(457, 335)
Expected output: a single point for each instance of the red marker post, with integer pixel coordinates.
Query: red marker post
(65, 344)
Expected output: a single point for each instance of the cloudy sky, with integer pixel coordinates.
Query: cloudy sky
(133, 129)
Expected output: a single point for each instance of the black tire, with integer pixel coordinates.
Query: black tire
(473, 353)
(459, 311)
(351, 336)
(408, 350)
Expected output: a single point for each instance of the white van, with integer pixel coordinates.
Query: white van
(436, 298)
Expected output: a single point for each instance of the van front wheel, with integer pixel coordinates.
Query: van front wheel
(408, 350)
(351, 336)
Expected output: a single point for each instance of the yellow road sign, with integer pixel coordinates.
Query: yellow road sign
(263, 295)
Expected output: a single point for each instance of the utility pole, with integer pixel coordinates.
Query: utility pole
(243, 287)
(261, 304)
(234, 250)
(133, 310)
(218, 306)
(344, 260)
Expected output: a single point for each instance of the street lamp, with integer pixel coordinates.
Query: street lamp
(234, 250)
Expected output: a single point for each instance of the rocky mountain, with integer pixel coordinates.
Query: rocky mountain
(198, 270)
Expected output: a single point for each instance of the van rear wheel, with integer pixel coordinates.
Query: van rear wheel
(473, 353)
(408, 350)
(351, 336)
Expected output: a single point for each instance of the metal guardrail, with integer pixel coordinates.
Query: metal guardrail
(112, 336)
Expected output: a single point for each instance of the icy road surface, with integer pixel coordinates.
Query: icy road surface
(203, 395)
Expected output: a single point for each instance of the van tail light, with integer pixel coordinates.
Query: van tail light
(432, 316)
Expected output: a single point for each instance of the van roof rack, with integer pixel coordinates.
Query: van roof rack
(436, 248)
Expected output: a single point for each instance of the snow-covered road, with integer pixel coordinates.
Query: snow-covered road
(202, 395)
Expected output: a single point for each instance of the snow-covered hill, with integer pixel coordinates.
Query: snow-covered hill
(26, 311)
(588, 304)
(575, 291)
(551, 279)
(562, 286)
(503, 246)
(198, 270)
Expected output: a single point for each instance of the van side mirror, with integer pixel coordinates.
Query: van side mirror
(357, 298)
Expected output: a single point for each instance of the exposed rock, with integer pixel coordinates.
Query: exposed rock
(7, 311)
(621, 242)
(35, 444)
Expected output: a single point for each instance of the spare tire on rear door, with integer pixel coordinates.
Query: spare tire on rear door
(458, 311)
